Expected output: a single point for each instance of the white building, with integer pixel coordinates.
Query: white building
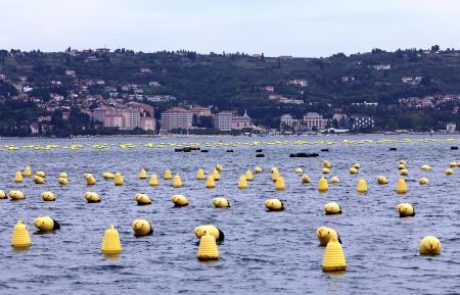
(450, 127)
(176, 118)
(362, 122)
(223, 121)
(287, 120)
(314, 121)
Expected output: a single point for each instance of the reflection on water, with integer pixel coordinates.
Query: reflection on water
(264, 252)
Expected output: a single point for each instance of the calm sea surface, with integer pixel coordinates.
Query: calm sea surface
(264, 252)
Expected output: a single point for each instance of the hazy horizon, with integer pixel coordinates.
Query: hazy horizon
(301, 29)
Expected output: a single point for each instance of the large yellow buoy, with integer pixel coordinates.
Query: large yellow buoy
(335, 179)
(177, 181)
(48, 196)
(274, 205)
(220, 202)
(305, 179)
(118, 179)
(275, 174)
(332, 208)
(211, 229)
(143, 174)
(27, 171)
(20, 238)
(324, 234)
(430, 245)
(16, 195)
(18, 177)
(401, 187)
(153, 180)
(215, 174)
(200, 174)
(334, 258)
(108, 175)
(405, 210)
(258, 170)
(423, 180)
(242, 183)
(179, 200)
(323, 186)
(382, 180)
(167, 175)
(46, 223)
(3, 195)
(279, 184)
(111, 242)
(210, 183)
(142, 227)
(92, 197)
(90, 179)
(207, 249)
(38, 179)
(248, 175)
(361, 186)
(353, 170)
(142, 199)
(426, 167)
(449, 171)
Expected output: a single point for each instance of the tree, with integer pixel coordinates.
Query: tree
(435, 48)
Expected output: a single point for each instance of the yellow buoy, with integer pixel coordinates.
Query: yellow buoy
(48, 196)
(327, 164)
(325, 170)
(298, 170)
(401, 187)
(2, 195)
(63, 175)
(38, 179)
(16, 195)
(207, 249)
(177, 181)
(143, 174)
(210, 183)
(215, 174)
(220, 202)
(249, 176)
(219, 168)
(20, 238)
(167, 175)
(404, 172)
(46, 223)
(305, 179)
(92, 197)
(275, 174)
(332, 208)
(142, 199)
(357, 166)
(118, 179)
(405, 210)
(423, 180)
(27, 171)
(274, 205)
(430, 245)
(323, 186)
(18, 177)
(353, 170)
(453, 164)
(111, 242)
(362, 186)
(90, 179)
(335, 179)
(153, 180)
(179, 200)
(403, 162)
(258, 170)
(63, 181)
(426, 168)
(200, 174)
(41, 174)
(242, 183)
(449, 171)
(279, 184)
(142, 227)
(334, 258)
(382, 180)
(108, 175)
(324, 234)
(402, 167)
(211, 229)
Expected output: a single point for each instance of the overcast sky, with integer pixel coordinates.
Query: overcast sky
(307, 28)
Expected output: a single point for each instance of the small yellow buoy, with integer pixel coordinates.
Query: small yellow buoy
(142, 199)
(90, 179)
(92, 197)
(41, 174)
(200, 174)
(275, 174)
(108, 175)
(401, 187)
(215, 174)
(335, 179)
(430, 245)
(423, 180)
(179, 200)
(219, 168)
(305, 179)
(210, 183)
(327, 164)
(207, 249)
(357, 166)
(48, 196)
(220, 202)
(63, 175)
(404, 172)
(274, 205)
(449, 171)
(324, 234)
(211, 229)
(248, 175)
(453, 164)
(426, 168)
(279, 184)
(16, 195)
(143, 174)
(353, 170)
(27, 171)
(298, 170)
(382, 180)
(362, 186)
(63, 181)
(142, 227)
(177, 181)
(118, 179)
(167, 175)
(405, 210)
(46, 223)
(402, 167)
(18, 177)
(334, 258)
(38, 179)
(325, 170)
(111, 242)
(403, 162)
(258, 170)
(153, 180)
(332, 208)
(2, 195)
(242, 183)
(323, 186)
(20, 238)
